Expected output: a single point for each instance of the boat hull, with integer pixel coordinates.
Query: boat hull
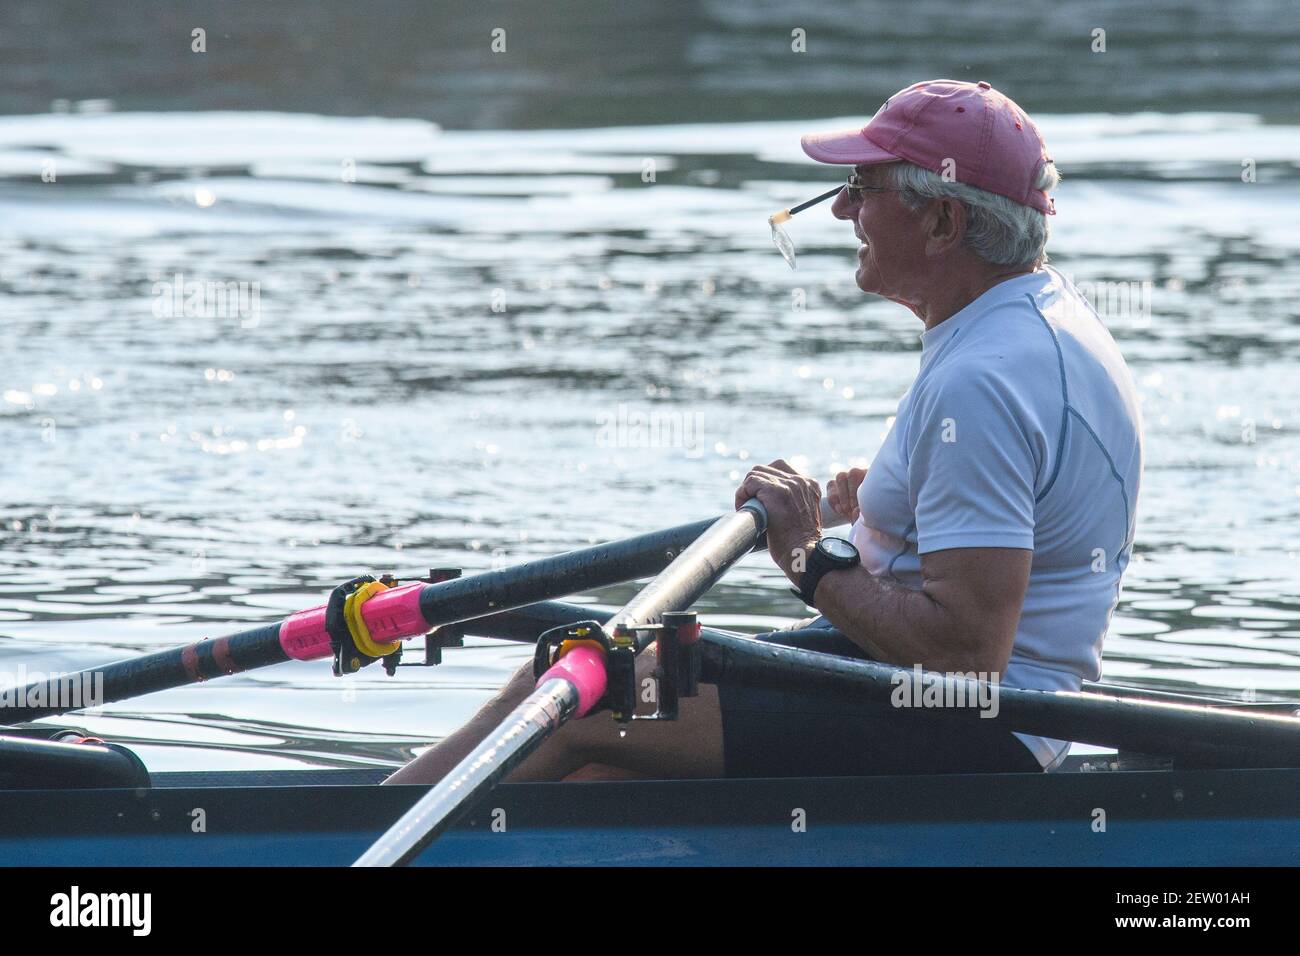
(1120, 818)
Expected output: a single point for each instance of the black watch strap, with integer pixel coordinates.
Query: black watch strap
(807, 588)
(816, 568)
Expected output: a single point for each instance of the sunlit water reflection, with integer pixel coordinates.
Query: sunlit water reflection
(442, 351)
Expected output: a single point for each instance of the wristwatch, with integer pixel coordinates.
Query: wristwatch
(831, 554)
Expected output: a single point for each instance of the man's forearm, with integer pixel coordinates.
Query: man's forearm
(893, 623)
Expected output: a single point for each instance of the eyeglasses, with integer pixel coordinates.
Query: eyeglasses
(857, 189)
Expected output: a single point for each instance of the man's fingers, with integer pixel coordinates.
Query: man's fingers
(856, 477)
(750, 487)
(837, 492)
(779, 478)
(773, 471)
(742, 496)
(779, 471)
(763, 477)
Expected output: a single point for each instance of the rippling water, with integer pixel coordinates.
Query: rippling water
(441, 353)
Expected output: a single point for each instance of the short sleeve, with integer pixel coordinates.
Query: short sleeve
(971, 467)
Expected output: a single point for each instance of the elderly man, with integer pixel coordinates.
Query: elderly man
(992, 530)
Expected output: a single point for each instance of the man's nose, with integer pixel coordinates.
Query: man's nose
(843, 207)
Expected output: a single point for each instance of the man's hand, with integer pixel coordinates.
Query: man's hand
(793, 503)
(842, 493)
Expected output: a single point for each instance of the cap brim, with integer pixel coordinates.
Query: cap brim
(846, 147)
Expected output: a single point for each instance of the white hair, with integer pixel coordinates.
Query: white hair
(999, 230)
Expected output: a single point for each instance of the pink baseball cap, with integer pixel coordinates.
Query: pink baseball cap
(983, 137)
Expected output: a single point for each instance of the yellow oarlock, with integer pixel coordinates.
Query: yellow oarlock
(566, 646)
(357, 623)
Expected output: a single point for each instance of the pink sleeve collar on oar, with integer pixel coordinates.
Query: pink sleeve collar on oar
(583, 667)
(389, 616)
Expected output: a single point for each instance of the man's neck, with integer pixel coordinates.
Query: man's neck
(952, 298)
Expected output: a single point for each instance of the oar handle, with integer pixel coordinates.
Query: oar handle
(695, 570)
(830, 517)
(756, 506)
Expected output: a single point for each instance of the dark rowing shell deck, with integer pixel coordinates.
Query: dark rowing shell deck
(328, 817)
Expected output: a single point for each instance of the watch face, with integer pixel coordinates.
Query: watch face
(839, 549)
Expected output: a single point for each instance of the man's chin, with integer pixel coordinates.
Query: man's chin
(866, 277)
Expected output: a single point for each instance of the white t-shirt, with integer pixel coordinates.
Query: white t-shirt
(1021, 430)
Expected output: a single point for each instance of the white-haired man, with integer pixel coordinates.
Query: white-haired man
(993, 528)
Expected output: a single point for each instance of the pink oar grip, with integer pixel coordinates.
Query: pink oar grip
(303, 636)
(394, 614)
(389, 615)
(584, 668)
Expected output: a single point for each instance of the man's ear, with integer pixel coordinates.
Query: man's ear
(946, 225)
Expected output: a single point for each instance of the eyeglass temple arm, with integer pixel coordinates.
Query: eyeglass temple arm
(785, 214)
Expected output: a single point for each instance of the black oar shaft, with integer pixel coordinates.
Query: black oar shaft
(1198, 735)
(599, 566)
(1198, 731)
(544, 710)
(1280, 707)
(161, 670)
(448, 602)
